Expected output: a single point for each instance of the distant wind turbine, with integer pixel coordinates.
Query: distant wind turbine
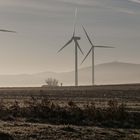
(3, 30)
(93, 53)
(77, 46)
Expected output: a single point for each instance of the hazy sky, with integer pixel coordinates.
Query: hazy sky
(44, 26)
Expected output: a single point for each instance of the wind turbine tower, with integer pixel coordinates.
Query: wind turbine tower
(92, 50)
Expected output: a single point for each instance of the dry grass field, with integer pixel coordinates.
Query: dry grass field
(70, 113)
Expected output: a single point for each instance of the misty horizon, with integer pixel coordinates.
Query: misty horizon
(70, 70)
(105, 73)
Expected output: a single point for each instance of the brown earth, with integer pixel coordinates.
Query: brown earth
(20, 130)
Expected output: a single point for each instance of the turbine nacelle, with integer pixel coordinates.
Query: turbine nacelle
(76, 38)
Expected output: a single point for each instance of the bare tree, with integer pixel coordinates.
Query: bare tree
(52, 82)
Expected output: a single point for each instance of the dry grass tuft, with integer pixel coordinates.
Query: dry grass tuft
(44, 110)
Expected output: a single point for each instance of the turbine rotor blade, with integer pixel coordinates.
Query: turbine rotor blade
(104, 47)
(3, 30)
(74, 31)
(74, 25)
(66, 44)
(79, 47)
(87, 55)
(87, 36)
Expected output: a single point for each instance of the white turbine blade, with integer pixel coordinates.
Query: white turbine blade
(79, 47)
(3, 30)
(74, 24)
(66, 44)
(104, 47)
(87, 36)
(87, 55)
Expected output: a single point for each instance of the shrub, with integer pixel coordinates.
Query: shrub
(71, 104)
(15, 109)
(51, 82)
(116, 111)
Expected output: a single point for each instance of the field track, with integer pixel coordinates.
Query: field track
(126, 92)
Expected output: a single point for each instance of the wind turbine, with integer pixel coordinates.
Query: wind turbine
(92, 50)
(74, 39)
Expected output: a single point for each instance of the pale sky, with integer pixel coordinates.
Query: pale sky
(44, 26)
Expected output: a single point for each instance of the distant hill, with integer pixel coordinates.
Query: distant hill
(118, 72)
(107, 73)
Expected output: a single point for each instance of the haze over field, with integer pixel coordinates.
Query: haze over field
(43, 26)
(107, 73)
